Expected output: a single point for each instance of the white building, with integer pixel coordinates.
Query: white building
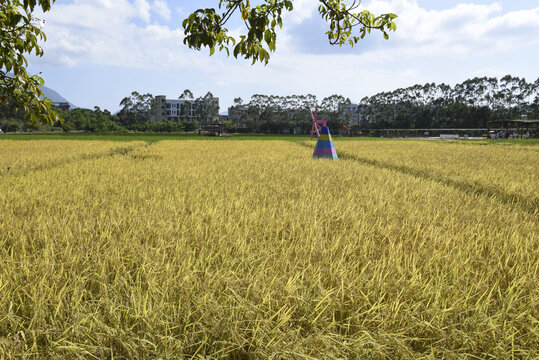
(184, 109)
(353, 111)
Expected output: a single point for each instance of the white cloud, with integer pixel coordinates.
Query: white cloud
(105, 32)
(160, 7)
(303, 10)
(463, 30)
(143, 9)
(466, 29)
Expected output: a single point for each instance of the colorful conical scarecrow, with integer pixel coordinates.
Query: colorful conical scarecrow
(324, 146)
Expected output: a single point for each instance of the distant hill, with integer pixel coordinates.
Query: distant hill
(55, 97)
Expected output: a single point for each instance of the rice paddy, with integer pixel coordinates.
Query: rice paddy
(254, 250)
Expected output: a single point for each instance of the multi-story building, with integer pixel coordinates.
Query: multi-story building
(186, 109)
(353, 112)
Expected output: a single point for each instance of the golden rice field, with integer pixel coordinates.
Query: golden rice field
(253, 250)
(24, 156)
(509, 172)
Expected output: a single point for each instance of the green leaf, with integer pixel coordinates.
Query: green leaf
(237, 50)
(205, 27)
(267, 36)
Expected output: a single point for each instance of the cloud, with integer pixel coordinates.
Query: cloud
(115, 33)
(303, 10)
(462, 30)
(160, 7)
(143, 9)
(121, 32)
(466, 30)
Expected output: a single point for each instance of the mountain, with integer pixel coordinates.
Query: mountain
(55, 97)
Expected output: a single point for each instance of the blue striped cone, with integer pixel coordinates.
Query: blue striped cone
(324, 146)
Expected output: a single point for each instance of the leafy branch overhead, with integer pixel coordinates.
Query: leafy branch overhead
(206, 27)
(20, 34)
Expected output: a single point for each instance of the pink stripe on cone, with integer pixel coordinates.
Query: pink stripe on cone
(325, 151)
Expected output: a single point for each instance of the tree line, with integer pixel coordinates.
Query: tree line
(470, 104)
(287, 114)
(138, 113)
(22, 32)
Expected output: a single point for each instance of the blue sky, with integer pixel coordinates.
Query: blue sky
(99, 51)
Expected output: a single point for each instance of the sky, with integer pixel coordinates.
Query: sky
(98, 51)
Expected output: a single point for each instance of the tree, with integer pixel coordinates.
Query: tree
(186, 95)
(19, 35)
(206, 108)
(137, 109)
(333, 110)
(186, 110)
(205, 27)
(212, 106)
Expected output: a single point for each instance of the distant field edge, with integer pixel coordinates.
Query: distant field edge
(153, 137)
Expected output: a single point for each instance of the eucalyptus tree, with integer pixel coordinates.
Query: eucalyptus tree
(137, 108)
(511, 95)
(310, 101)
(478, 91)
(186, 95)
(535, 99)
(466, 92)
(207, 109)
(333, 109)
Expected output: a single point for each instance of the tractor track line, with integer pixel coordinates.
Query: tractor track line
(114, 151)
(530, 206)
